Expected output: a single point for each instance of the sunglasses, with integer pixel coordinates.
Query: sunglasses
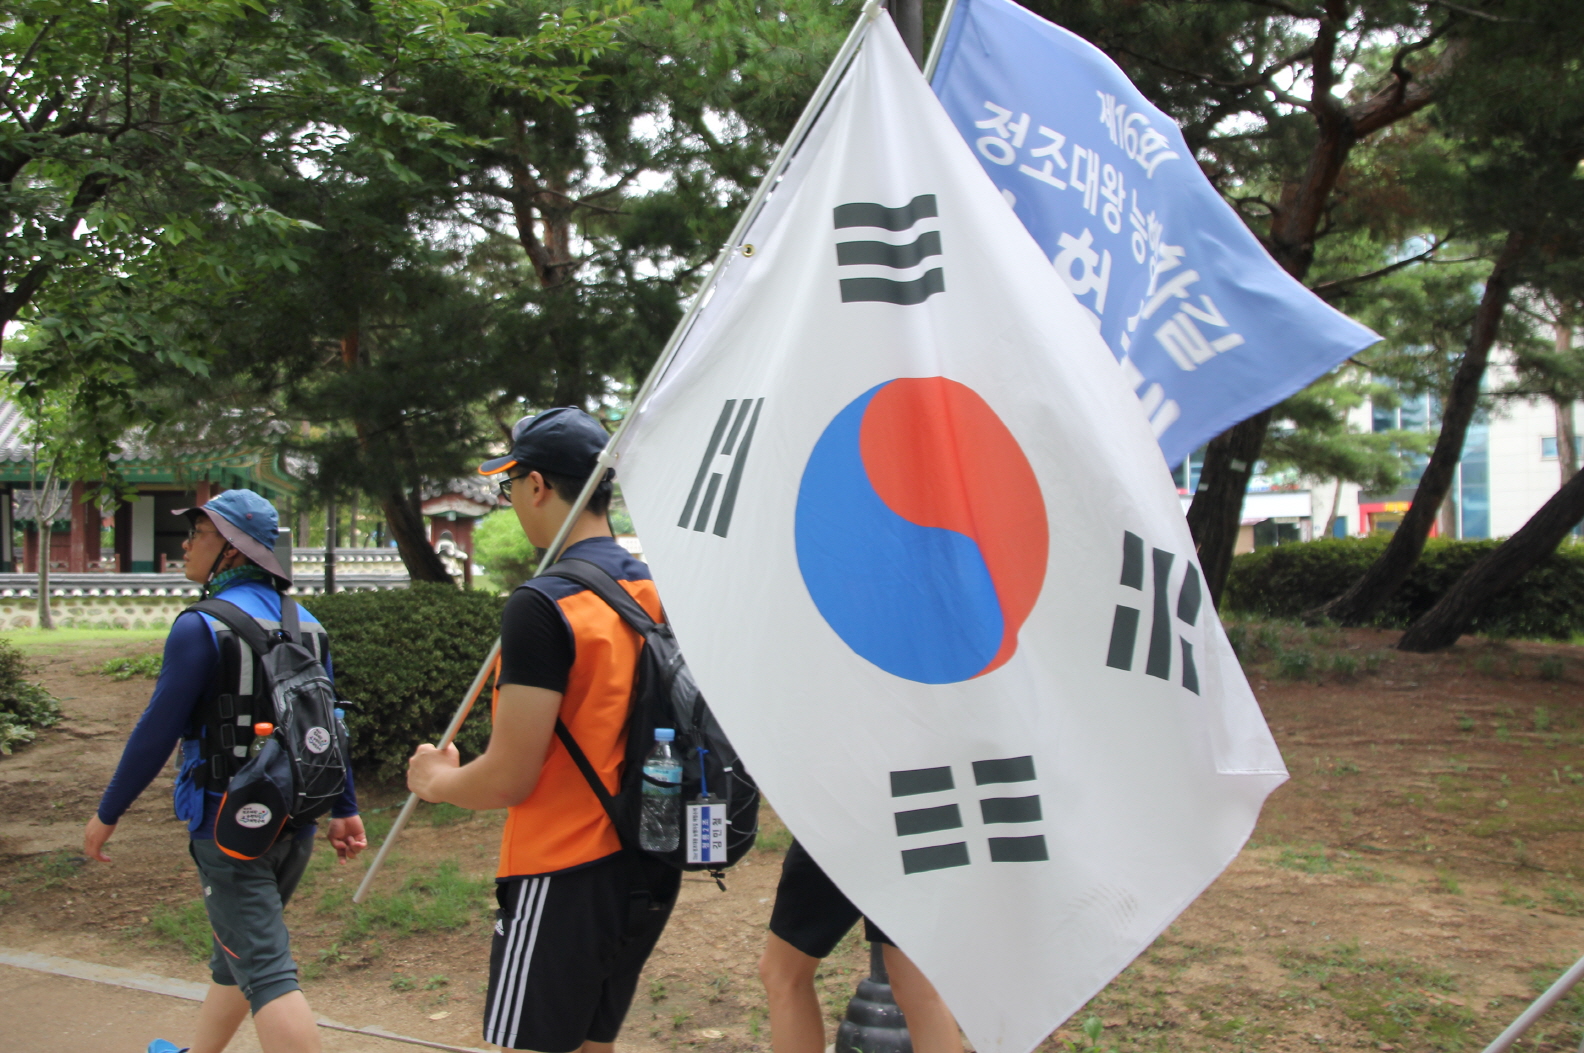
(194, 534)
(506, 485)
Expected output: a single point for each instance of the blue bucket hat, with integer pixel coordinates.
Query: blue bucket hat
(249, 523)
(562, 441)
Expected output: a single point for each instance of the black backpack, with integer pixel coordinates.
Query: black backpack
(665, 696)
(302, 770)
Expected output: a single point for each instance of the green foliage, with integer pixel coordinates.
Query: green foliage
(1287, 580)
(186, 926)
(405, 657)
(1295, 665)
(503, 550)
(126, 668)
(24, 705)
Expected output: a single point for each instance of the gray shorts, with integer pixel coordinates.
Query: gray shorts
(244, 899)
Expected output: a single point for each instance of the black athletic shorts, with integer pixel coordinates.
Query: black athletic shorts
(810, 912)
(568, 949)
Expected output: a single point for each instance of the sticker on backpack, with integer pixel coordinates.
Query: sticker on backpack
(317, 740)
(252, 816)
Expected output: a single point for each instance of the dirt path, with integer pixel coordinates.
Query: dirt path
(1408, 889)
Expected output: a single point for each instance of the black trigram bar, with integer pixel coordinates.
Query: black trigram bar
(1125, 622)
(928, 820)
(920, 780)
(880, 253)
(1011, 810)
(1132, 560)
(734, 480)
(1159, 661)
(747, 412)
(1018, 849)
(869, 214)
(1009, 769)
(1124, 631)
(935, 857)
(1189, 598)
(884, 290)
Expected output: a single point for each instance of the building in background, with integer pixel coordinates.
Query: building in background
(1510, 467)
(138, 534)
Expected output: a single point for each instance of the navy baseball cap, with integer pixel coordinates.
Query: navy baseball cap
(249, 523)
(562, 441)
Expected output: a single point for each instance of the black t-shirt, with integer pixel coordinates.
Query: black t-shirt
(537, 648)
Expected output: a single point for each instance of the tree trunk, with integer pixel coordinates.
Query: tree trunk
(1391, 569)
(405, 520)
(1213, 517)
(1336, 505)
(1217, 510)
(909, 18)
(1567, 440)
(1450, 618)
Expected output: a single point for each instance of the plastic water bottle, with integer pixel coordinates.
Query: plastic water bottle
(660, 823)
(261, 735)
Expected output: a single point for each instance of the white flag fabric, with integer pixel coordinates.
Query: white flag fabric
(919, 546)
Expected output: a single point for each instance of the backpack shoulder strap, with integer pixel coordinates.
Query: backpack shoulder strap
(590, 776)
(601, 584)
(239, 621)
(291, 624)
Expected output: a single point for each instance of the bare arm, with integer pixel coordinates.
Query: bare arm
(508, 770)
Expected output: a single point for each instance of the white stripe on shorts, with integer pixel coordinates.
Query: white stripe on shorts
(512, 982)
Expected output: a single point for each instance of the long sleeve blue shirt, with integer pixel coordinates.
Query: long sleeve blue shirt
(192, 654)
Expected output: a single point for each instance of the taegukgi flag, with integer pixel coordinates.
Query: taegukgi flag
(1208, 328)
(928, 566)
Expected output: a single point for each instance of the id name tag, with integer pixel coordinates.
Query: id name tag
(706, 831)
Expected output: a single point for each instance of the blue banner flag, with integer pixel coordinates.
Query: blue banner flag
(1208, 328)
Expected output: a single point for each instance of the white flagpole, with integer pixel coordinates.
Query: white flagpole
(607, 457)
(939, 43)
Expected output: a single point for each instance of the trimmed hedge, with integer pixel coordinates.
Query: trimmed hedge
(405, 657)
(24, 706)
(1284, 581)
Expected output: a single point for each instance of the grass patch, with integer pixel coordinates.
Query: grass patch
(773, 835)
(1564, 900)
(187, 927)
(1552, 668)
(60, 641)
(1317, 860)
(126, 668)
(1511, 897)
(1394, 998)
(50, 870)
(445, 814)
(1295, 665)
(441, 900)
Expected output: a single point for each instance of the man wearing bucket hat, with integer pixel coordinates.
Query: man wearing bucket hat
(578, 915)
(230, 551)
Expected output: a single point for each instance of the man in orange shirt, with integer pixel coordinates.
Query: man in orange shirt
(578, 914)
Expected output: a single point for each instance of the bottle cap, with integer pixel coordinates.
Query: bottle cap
(340, 714)
(665, 735)
(263, 728)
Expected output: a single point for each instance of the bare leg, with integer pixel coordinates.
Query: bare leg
(222, 1012)
(796, 1024)
(287, 1025)
(930, 1023)
(598, 1047)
